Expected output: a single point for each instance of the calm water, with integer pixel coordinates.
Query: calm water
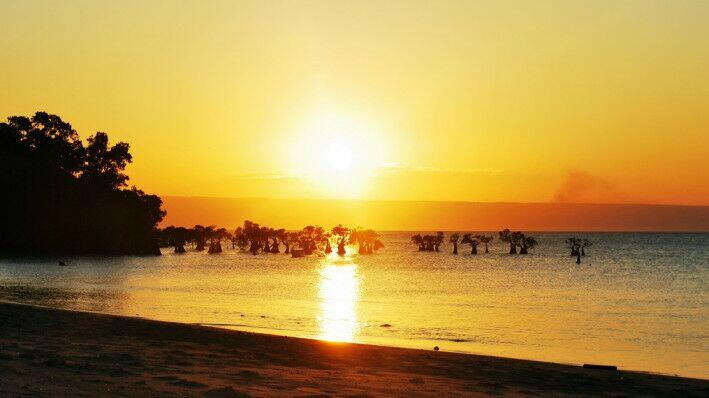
(638, 301)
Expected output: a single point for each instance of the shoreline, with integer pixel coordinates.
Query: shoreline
(63, 352)
(254, 331)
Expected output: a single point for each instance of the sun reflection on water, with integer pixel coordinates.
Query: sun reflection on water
(338, 293)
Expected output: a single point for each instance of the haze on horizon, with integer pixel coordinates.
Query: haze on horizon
(551, 101)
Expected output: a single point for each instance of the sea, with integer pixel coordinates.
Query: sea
(639, 301)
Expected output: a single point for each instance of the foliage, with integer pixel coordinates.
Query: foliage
(61, 196)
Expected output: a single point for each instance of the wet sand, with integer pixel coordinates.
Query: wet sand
(49, 352)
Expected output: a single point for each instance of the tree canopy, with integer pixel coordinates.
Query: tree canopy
(61, 196)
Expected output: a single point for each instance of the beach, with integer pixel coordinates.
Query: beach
(51, 352)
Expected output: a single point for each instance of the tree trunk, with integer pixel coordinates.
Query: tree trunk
(473, 249)
(455, 247)
(486, 248)
(513, 248)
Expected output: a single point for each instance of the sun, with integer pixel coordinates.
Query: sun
(337, 153)
(338, 156)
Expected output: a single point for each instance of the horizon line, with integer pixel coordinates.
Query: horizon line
(433, 201)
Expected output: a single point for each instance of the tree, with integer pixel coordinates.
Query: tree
(279, 236)
(176, 237)
(310, 237)
(215, 236)
(574, 245)
(290, 239)
(240, 239)
(454, 240)
(526, 243)
(418, 240)
(341, 235)
(368, 240)
(584, 244)
(472, 241)
(200, 237)
(509, 237)
(485, 239)
(65, 197)
(438, 240)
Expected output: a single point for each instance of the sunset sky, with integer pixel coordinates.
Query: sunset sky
(602, 102)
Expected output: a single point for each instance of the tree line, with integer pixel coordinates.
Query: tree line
(255, 238)
(514, 239)
(519, 242)
(63, 195)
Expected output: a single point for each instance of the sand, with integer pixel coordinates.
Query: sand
(49, 352)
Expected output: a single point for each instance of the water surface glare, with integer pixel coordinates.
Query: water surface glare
(638, 301)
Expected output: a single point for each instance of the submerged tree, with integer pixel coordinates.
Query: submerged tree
(216, 235)
(310, 238)
(290, 239)
(438, 241)
(584, 244)
(418, 240)
(518, 239)
(526, 243)
(472, 241)
(574, 245)
(176, 237)
(342, 237)
(485, 239)
(428, 243)
(507, 236)
(577, 247)
(454, 240)
(368, 240)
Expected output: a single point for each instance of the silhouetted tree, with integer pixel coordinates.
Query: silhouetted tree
(341, 235)
(199, 235)
(454, 240)
(367, 239)
(509, 237)
(472, 241)
(279, 236)
(60, 196)
(215, 236)
(290, 239)
(310, 237)
(438, 240)
(526, 243)
(239, 239)
(584, 244)
(176, 237)
(485, 239)
(574, 245)
(418, 240)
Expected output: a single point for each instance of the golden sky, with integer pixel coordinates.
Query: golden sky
(529, 101)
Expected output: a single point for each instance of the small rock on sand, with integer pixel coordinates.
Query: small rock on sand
(188, 384)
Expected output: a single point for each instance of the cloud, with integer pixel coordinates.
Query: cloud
(582, 187)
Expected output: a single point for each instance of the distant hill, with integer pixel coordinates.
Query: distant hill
(414, 215)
